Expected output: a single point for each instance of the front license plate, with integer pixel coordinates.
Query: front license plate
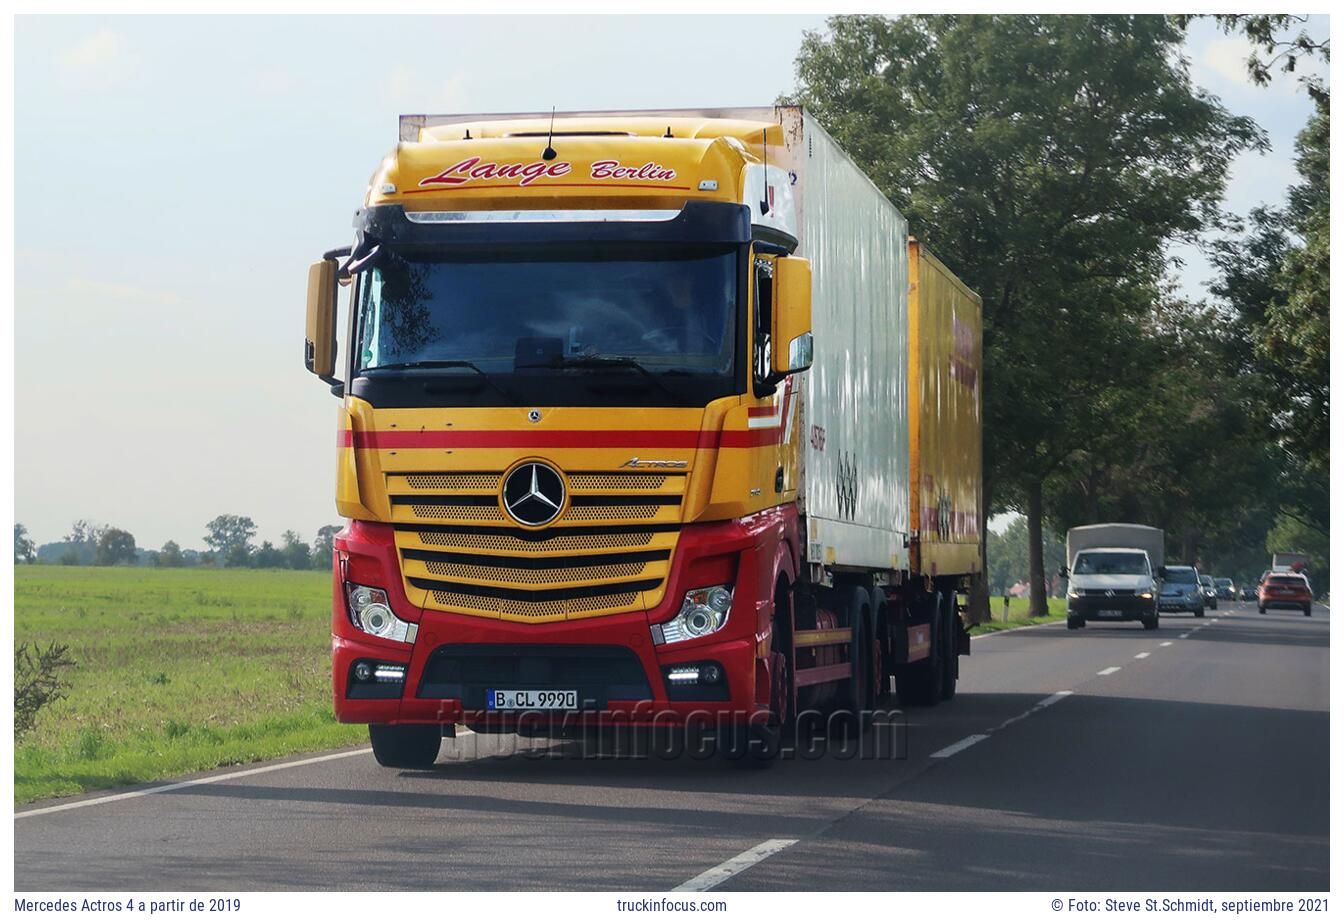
(531, 699)
(1110, 613)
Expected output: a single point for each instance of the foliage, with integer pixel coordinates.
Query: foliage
(37, 682)
(170, 556)
(230, 536)
(268, 556)
(1291, 535)
(324, 545)
(1276, 45)
(115, 546)
(1009, 558)
(24, 548)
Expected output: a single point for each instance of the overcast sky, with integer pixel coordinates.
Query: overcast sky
(175, 176)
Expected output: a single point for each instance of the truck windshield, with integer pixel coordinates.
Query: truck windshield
(1111, 564)
(669, 313)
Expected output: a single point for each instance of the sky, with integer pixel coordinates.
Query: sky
(174, 177)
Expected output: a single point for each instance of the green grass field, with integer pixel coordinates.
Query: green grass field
(177, 670)
(1017, 614)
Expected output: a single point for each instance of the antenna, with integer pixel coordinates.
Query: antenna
(765, 174)
(549, 152)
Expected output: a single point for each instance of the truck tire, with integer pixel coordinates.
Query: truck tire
(951, 625)
(853, 714)
(409, 747)
(921, 683)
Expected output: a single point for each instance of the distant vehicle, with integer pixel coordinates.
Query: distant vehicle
(1286, 589)
(1249, 592)
(1114, 574)
(1210, 592)
(1181, 590)
(1226, 590)
(1289, 562)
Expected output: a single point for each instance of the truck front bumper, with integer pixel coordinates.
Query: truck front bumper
(621, 676)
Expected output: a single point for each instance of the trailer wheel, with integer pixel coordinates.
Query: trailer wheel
(921, 683)
(951, 624)
(411, 747)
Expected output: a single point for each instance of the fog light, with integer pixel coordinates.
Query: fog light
(363, 672)
(711, 673)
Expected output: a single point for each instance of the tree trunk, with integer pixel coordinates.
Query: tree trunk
(1189, 547)
(1035, 550)
(977, 599)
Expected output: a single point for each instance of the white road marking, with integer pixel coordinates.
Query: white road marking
(960, 746)
(711, 878)
(1143, 654)
(1185, 635)
(1107, 671)
(205, 780)
(1165, 644)
(1054, 698)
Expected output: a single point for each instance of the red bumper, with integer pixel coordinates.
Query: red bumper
(749, 553)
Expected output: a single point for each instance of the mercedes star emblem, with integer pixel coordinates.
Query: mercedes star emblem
(534, 494)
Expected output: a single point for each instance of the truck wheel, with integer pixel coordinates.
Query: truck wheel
(951, 625)
(853, 714)
(410, 747)
(921, 683)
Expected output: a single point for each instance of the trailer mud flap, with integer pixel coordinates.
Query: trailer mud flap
(963, 640)
(917, 642)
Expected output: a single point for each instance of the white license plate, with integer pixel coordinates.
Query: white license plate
(1110, 613)
(531, 699)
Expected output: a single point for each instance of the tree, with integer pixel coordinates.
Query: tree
(268, 556)
(297, 553)
(170, 556)
(1272, 35)
(114, 547)
(37, 682)
(230, 536)
(24, 549)
(324, 545)
(1049, 160)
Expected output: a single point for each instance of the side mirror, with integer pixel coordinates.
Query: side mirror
(319, 346)
(1063, 571)
(1161, 571)
(791, 317)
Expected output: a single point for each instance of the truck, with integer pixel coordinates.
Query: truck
(1289, 562)
(647, 418)
(1115, 573)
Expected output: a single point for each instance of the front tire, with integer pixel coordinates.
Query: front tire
(407, 747)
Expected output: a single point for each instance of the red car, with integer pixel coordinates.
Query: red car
(1285, 589)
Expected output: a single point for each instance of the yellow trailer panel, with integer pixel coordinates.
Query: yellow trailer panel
(945, 419)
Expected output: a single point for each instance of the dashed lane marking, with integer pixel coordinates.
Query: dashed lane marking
(957, 748)
(1106, 671)
(1143, 654)
(725, 870)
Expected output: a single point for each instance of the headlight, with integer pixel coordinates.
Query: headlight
(371, 613)
(1146, 595)
(1073, 592)
(703, 611)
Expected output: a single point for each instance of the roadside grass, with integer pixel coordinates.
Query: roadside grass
(1017, 615)
(177, 670)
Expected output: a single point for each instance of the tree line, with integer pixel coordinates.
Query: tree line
(1053, 161)
(230, 538)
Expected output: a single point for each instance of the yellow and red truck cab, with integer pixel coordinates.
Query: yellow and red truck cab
(587, 471)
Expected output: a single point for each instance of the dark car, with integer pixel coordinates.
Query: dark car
(1226, 590)
(1210, 592)
(1286, 589)
(1249, 592)
(1181, 590)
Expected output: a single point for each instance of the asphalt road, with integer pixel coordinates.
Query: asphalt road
(1193, 758)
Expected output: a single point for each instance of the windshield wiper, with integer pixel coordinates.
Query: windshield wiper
(563, 361)
(412, 365)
